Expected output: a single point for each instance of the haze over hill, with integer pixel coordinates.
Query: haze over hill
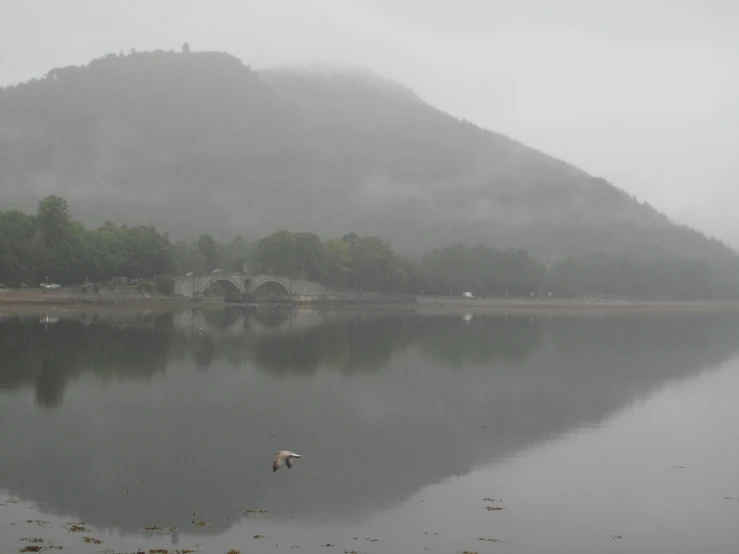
(198, 142)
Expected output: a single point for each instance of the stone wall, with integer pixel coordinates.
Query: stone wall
(75, 296)
(357, 298)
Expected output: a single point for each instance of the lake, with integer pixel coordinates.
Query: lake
(449, 433)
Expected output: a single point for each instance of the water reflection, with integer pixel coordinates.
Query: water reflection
(380, 405)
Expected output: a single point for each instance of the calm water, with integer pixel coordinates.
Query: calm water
(595, 435)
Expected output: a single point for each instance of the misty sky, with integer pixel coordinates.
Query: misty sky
(642, 93)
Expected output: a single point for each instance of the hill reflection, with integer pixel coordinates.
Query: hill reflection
(187, 402)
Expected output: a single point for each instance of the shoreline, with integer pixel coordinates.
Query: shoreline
(573, 306)
(423, 305)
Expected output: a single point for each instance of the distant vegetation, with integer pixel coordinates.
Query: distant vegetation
(51, 244)
(199, 143)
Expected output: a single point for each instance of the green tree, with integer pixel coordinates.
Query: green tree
(10, 268)
(241, 249)
(207, 247)
(235, 263)
(53, 218)
(19, 248)
(338, 261)
(373, 264)
(195, 262)
(351, 238)
(277, 253)
(309, 257)
(164, 284)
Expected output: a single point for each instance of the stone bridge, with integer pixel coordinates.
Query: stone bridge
(237, 284)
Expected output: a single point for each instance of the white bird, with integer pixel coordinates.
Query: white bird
(284, 456)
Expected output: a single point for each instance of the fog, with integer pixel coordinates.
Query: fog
(640, 93)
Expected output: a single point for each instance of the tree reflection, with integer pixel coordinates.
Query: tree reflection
(206, 353)
(483, 340)
(50, 383)
(46, 356)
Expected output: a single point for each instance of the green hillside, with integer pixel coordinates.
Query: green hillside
(200, 143)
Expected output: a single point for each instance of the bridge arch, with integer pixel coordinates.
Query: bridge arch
(231, 285)
(254, 285)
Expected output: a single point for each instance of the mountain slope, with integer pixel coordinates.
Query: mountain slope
(197, 142)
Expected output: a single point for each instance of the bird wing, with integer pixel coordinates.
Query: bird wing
(277, 462)
(289, 462)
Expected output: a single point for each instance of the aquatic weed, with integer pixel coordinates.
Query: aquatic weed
(36, 547)
(76, 527)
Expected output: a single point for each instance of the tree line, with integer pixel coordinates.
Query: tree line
(51, 244)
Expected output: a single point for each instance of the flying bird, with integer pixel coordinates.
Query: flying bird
(284, 456)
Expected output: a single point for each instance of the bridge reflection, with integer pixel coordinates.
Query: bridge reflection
(233, 322)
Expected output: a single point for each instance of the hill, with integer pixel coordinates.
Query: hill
(198, 142)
